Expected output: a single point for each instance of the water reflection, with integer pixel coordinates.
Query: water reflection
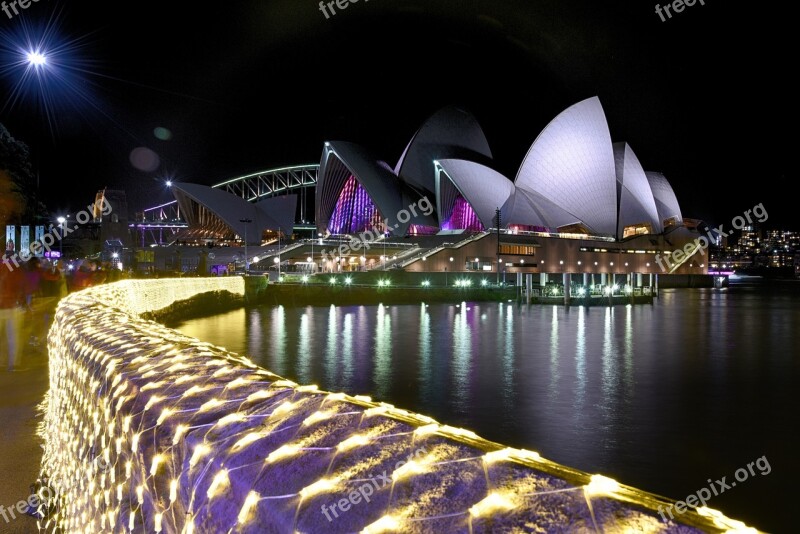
(304, 337)
(701, 381)
(461, 357)
(383, 351)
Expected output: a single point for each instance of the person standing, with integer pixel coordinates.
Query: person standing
(12, 301)
(32, 323)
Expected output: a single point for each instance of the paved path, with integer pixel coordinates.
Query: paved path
(20, 449)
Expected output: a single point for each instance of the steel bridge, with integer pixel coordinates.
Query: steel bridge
(160, 224)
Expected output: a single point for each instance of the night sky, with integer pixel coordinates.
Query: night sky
(248, 85)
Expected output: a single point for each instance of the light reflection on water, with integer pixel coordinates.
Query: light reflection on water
(661, 397)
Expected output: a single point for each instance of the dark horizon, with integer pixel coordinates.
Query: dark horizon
(256, 85)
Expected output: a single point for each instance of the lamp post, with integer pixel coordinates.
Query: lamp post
(498, 221)
(246, 266)
(61, 221)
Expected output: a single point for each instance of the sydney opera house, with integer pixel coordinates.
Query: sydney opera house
(579, 203)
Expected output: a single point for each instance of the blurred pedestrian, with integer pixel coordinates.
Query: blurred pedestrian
(84, 276)
(12, 302)
(33, 281)
(33, 324)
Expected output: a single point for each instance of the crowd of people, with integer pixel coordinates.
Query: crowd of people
(28, 296)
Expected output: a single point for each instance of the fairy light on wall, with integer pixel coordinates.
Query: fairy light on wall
(148, 430)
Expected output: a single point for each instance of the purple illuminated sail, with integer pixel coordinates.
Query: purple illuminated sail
(354, 211)
(463, 217)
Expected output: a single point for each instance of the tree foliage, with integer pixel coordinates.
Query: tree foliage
(19, 195)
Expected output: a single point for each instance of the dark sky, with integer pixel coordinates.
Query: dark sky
(248, 85)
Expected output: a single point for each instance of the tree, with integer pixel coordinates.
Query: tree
(19, 195)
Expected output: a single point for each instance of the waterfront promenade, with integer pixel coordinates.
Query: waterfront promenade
(20, 447)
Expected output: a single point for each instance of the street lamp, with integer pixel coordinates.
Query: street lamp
(61, 221)
(246, 222)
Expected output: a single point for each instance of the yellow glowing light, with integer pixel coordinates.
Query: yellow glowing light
(249, 503)
(157, 459)
(173, 490)
(317, 417)
(231, 419)
(721, 521)
(210, 405)
(601, 485)
(286, 407)
(194, 390)
(410, 468)
(378, 410)
(359, 440)
(322, 485)
(219, 484)
(426, 430)
(180, 430)
(258, 395)
(199, 452)
(165, 413)
(152, 385)
(284, 452)
(387, 523)
(140, 494)
(284, 384)
(239, 382)
(497, 456)
(494, 502)
(158, 519)
(155, 399)
(185, 378)
(249, 439)
(459, 432)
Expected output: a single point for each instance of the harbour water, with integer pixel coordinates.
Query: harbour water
(662, 397)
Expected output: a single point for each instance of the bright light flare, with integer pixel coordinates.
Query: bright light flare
(37, 59)
(494, 502)
(601, 485)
